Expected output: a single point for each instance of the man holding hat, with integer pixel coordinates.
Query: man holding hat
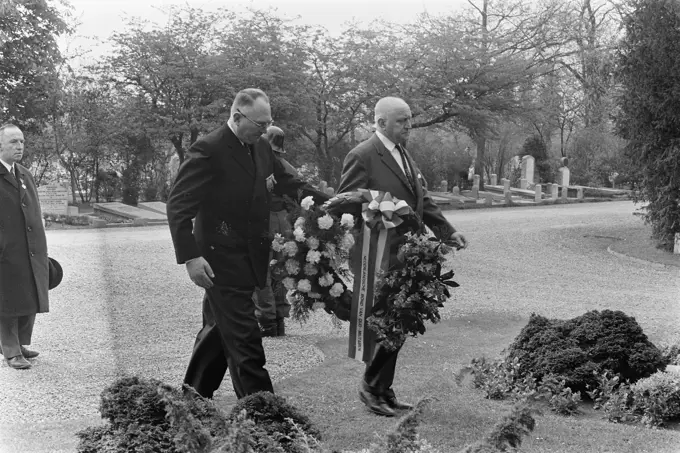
(271, 306)
(24, 267)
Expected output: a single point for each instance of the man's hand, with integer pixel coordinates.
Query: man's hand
(200, 272)
(458, 241)
(271, 182)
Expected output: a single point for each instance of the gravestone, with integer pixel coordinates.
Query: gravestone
(155, 206)
(528, 163)
(565, 190)
(538, 195)
(475, 192)
(127, 212)
(444, 186)
(553, 191)
(494, 179)
(455, 190)
(489, 199)
(53, 199)
(475, 181)
(508, 197)
(579, 193)
(563, 176)
(523, 184)
(506, 185)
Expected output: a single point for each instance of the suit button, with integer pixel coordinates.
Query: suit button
(32, 254)
(23, 205)
(30, 229)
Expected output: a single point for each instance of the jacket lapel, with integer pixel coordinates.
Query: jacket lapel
(8, 176)
(239, 152)
(388, 160)
(22, 182)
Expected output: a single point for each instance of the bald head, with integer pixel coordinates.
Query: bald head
(393, 119)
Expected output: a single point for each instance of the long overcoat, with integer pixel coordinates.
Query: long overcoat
(24, 271)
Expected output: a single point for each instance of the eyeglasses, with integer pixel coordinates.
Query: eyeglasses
(256, 123)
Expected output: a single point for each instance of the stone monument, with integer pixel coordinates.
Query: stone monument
(494, 179)
(444, 186)
(528, 163)
(563, 173)
(53, 199)
(538, 194)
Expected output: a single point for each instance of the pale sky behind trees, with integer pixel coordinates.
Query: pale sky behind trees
(100, 18)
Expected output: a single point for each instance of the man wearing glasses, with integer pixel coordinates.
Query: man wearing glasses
(222, 186)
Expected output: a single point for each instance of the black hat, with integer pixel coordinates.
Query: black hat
(275, 136)
(56, 273)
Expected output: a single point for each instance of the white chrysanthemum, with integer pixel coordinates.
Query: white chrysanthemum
(311, 269)
(290, 248)
(307, 203)
(337, 290)
(325, 222)
(288, 283)
(313, 256)
(347, 241)
(304, 285)
(299, 223)
(317, 305)
(299, 234)
(326, 280)
(292, 267)
(347, 220)
(273, 262)
(313, 243)
(277, 243)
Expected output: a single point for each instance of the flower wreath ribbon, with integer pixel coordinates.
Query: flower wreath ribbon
(381, 213)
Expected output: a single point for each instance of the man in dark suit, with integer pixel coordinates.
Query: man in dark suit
(222, 186)
(23, 252)
(382, 163)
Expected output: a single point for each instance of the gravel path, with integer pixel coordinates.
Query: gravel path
(124, 307)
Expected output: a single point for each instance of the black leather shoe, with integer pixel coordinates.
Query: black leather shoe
(28, 354)
(19, 363)
(375, 404)
(397, 405)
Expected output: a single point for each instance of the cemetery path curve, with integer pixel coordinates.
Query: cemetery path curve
(124, 306)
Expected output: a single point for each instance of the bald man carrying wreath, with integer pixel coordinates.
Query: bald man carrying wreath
(382, 163)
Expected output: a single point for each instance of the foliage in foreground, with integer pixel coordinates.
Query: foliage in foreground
(652, 401)
(146, 415)
(649, 61)
(578, 349)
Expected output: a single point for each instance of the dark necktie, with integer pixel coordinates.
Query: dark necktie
(407, 169)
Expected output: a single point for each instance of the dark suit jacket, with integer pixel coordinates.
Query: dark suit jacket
(225, 192)
(23, 247)
(371, 166)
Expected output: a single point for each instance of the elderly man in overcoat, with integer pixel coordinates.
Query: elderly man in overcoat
(383, 163)
(223, 187)
(24, 270)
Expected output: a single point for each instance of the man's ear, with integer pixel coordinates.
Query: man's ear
(381, 123)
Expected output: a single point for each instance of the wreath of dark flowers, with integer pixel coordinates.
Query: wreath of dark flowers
(412, 291)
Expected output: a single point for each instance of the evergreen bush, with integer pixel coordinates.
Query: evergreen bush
(579, 349)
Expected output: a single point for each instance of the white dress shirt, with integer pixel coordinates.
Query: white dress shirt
(392, 148)
(8, 167)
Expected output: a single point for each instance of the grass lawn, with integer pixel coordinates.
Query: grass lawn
(638, 243)
(459, 415)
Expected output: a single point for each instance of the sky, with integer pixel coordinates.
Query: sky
(100, 18)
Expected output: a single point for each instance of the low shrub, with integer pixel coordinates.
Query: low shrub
(657, 398)
(579, 349)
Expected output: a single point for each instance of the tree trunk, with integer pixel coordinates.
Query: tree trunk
(480, 141)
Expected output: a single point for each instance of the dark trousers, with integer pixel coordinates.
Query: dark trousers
(230, 339)
(14, 332)
(379, 374)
